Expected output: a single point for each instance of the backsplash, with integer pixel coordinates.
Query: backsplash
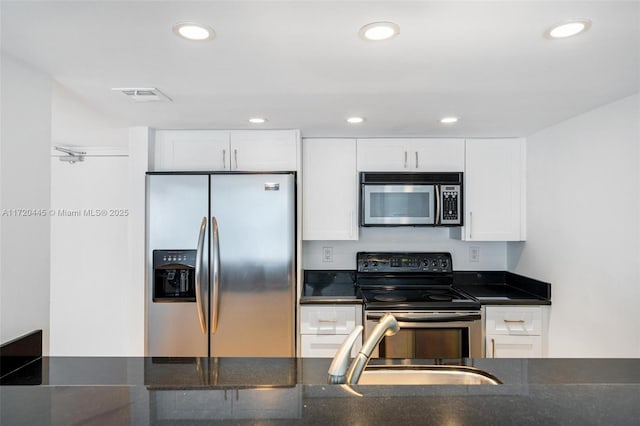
(491, 255)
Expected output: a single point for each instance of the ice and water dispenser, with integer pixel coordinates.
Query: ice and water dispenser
(174, 274)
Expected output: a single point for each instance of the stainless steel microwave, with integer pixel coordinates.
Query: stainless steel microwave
(410, 199)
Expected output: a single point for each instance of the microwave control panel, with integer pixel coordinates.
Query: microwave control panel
(450, 201)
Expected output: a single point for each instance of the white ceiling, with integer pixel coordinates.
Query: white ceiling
(302, 64)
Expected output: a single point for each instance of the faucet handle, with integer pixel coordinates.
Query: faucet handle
(339, 365)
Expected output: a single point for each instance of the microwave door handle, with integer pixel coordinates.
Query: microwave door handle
(436, 219)
(199, 255)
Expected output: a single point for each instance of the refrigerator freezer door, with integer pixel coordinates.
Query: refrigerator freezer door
(256, 226)
(176, 205)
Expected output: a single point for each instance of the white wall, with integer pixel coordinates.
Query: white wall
(25, 137)
(97, 262)
(493, 255)
(583, 230)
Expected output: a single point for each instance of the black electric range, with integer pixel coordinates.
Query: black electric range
(409, 281)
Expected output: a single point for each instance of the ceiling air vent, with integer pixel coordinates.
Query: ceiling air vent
(143, 94)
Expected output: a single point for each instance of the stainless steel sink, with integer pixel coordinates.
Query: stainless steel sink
(425, 375)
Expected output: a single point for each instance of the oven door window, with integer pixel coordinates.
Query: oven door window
(399, 204)
(421, 343)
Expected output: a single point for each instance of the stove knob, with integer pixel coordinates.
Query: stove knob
(375, 264)
(365, 264)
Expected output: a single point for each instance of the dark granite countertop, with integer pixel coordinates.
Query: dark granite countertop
(330, 287)
(502, 288)
(488, 287)
(179, 391)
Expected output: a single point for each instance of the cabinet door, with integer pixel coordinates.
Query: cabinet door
(383, 155)
(494, 190)
(329, 189)
(264, 150)
(437, 155)
(499, 346)
(191, 150)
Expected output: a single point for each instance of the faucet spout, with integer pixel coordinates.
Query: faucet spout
(387, 326)
(338, 367)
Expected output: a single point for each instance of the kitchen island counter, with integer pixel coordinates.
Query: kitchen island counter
(294, 391)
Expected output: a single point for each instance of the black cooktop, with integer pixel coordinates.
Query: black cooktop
(433, 298)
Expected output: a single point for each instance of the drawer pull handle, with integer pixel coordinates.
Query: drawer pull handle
(515, 321)
(324, 320)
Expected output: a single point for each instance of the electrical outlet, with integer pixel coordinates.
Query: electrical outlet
(327, 254)
(474, 254)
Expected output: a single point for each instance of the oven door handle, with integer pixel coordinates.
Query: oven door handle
(431, 318)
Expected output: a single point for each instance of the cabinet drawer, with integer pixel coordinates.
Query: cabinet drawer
(515, 321)
(314, 346)
(327, 319)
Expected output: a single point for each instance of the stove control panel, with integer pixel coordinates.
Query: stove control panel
(404, 262)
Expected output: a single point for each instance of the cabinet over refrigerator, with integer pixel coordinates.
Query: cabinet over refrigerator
(220, 264)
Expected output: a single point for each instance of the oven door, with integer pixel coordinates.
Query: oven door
(428, 335)
(398, 205)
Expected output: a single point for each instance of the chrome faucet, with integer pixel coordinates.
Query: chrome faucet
(338, 372)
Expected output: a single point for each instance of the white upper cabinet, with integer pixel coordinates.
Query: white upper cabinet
(494, 190)
(191, 150)
(411, 155)
(269, 150)
(221, 150)
(437, 155)
(382, 155)
(329, 189)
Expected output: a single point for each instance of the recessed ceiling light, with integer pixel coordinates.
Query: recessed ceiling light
(568, 28)
(257, 120)
(449, 120)
(355, 120)
(193, 31)
(378, 31)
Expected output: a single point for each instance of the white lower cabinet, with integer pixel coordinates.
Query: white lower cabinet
(515, 331)
(323, 328)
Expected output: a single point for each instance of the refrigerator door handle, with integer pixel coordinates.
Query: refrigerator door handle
(438, 200)
(215, 295)
(199, 254)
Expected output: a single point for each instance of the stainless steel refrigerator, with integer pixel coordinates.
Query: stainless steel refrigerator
(221, 264)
